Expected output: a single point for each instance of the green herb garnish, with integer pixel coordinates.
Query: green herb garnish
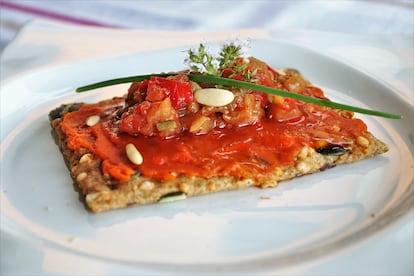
(228, 54)
(247, 85)
(203, 61)
(200, 60)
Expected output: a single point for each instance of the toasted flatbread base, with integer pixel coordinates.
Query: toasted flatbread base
(102, 193)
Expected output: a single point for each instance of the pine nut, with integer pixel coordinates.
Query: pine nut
(81, 176)
(303, 167)
(87, 157)
(147, 186)
(92, 120)
(213, 96)
(133, 154)
(362, 141)
(91, 197)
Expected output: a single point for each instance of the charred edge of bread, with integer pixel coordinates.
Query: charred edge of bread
(101, 193)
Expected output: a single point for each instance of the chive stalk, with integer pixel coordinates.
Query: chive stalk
(118, 81)
(247, 85)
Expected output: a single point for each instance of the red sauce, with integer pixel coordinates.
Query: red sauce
(247, 151)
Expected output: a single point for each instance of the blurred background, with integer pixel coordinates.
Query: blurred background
(364, 17)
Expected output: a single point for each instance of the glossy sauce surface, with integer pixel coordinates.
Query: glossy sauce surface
(250, 151)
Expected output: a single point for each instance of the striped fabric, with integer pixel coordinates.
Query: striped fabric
(356, 17)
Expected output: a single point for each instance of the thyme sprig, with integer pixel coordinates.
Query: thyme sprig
(228, 54)
(203, 61)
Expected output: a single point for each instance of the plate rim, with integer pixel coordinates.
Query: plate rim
(381, 225)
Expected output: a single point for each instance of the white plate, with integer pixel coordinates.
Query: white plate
(242, 231)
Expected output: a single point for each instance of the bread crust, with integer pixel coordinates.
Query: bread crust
(101, 192)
